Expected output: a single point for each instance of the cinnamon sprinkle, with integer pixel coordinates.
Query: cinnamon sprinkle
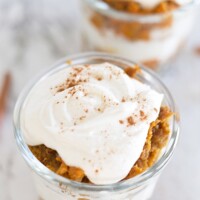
(74, 80)
(121, 121)
(130, 121)
(155, 109)
(142, 115)
(157, 138)
(123, 99)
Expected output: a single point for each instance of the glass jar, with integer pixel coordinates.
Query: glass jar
(51, 186)
(151, 39)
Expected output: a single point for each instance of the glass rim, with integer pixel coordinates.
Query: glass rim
(105, 9)
(49, 175)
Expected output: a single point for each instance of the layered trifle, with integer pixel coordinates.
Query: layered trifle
(95, 125)
(147, 31)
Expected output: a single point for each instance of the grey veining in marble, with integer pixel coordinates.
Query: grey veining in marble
(34, 34)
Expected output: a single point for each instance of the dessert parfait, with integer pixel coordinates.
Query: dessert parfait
(147, 31)
(96, 129)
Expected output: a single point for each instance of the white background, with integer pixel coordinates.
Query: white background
(34, 34)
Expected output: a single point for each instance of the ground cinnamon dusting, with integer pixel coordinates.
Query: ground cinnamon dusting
(86, 110)
(123, 100)
(130, 121)
(74, 80)
(121, 121)
(142, 115)
(157, 138)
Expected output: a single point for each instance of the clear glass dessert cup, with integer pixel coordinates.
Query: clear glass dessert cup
(152, 39)
(51, 186)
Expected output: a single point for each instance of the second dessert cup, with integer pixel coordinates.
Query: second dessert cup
(51, 186)
(151, 39)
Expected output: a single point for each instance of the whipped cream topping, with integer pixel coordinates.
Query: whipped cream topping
(95, 116)
(154, 3)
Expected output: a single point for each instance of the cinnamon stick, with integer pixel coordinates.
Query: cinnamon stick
(4, 95)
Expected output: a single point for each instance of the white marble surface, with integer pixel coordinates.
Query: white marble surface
(34, 34)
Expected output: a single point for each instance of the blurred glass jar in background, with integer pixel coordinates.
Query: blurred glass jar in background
(146, 33)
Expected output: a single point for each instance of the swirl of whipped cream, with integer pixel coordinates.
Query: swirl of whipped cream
(95, 116)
